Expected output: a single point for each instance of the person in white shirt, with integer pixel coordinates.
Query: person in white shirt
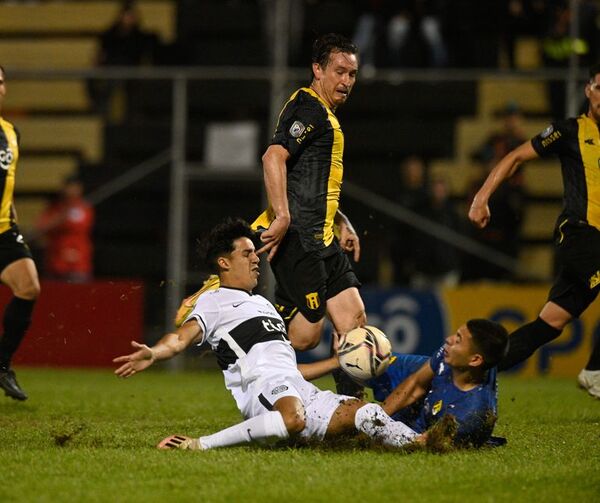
(258, 362)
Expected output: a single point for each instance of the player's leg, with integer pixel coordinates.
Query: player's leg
(22, 278)
(284, 420)
(300, 293)
(346, 311)
(527, 339)
(371, 419)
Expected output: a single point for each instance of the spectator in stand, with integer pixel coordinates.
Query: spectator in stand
(66, 226)
(412, 194)
(436, 262)
(395, 21)
(503, 232)
(124, 43)
(501, 142)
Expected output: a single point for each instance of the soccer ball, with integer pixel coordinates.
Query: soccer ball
(365, 353)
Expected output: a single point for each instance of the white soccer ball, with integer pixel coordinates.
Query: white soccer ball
(365, 353)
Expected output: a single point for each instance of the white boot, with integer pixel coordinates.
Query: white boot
(590, 381)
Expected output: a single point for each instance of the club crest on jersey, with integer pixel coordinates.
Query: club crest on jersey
(312, 300)
(297, 129)
(437, 406)
(6, 158)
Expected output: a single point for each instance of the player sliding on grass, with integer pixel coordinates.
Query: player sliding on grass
(259, 365)
(459, 379)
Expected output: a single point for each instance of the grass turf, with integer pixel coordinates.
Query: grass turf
(88, 436)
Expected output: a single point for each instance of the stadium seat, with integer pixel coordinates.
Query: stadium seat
(59, 53)
(537, 261)
(74, 134)
(82, 17)
(47, 96)
(44, 173)
(543, 179)
(539, 220)
(494, 94)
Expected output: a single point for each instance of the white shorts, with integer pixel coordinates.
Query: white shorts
(269, 372)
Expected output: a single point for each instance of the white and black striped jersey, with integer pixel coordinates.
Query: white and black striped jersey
(234, 320)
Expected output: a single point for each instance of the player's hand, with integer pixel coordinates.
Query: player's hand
(273, 235)
(349, 240)
(134, 362)
(480, 215)
(336, 342)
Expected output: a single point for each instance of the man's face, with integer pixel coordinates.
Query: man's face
(241, 266)
(592, 91)
(459, 350)
(335, 81)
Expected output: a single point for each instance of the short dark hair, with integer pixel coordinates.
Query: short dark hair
(331, 42)
(220, 239)
(490, 339)
(3, 71)
(594, 70)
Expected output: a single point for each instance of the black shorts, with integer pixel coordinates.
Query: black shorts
(305, 280)
(578, 260)
(12, 247)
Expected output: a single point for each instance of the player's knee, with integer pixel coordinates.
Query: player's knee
(294, 422)
(304, 333)
(305, 342)
(30, 291)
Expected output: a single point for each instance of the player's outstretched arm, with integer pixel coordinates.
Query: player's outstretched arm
(170, 345)
(410, 390)
(349, 240)
(479, 212)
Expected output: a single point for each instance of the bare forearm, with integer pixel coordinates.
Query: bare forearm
(318, 369)
(275, 173)
(169, 346)
(405, 394)
(502, 171)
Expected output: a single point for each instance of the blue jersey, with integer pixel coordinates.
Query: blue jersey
(475, 410)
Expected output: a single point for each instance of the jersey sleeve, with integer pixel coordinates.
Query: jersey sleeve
(300, 123)
(554, 139)
(436, 360)
(206, 313)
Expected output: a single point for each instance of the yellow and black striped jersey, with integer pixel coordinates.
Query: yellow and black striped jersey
(310, 132)
(9, 155)
(576, 142)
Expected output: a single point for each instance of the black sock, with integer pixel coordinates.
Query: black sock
(525, 340)
(594, 362)
(17, 318)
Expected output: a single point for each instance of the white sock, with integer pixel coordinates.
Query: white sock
(372, 420)
(260, 428)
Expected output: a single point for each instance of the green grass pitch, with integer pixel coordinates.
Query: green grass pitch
(88, 436)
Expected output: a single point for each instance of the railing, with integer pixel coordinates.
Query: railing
(282, 80)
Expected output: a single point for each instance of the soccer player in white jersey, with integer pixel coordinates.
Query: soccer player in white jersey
(258, 362)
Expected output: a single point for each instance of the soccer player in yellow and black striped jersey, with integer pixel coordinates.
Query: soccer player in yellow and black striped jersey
(303, 170)
(576, 142)
(17, 269)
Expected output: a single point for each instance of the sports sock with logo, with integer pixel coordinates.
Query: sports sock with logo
(525, 340)
(260, 428)
(372, 420)
(17, 318)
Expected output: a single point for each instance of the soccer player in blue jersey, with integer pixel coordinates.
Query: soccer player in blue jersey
(459, 379)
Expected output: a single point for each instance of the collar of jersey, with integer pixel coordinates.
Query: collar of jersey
(238, 289)
(313, 93)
